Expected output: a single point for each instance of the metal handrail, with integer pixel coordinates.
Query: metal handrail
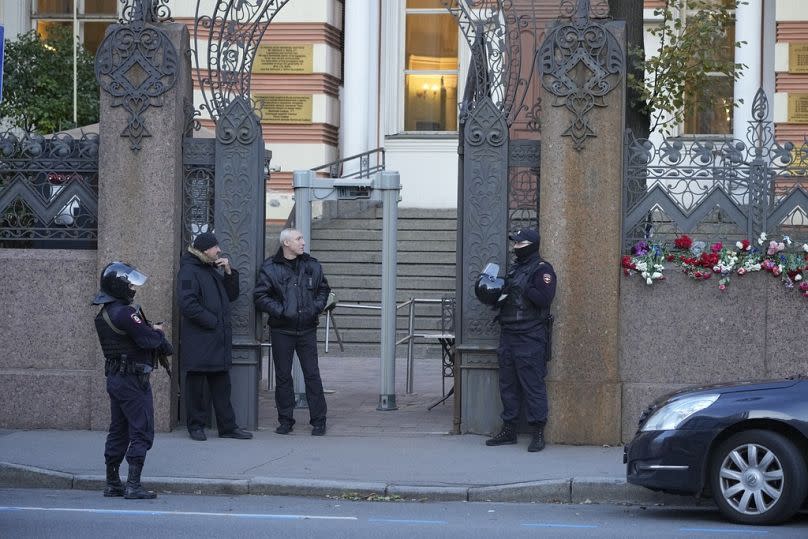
(409, 337)
(336, 168)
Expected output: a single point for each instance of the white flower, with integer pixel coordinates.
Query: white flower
(716, 268)
(798, 277)
(649, 281)
(645, 275)
(642, 266)
(763, 236)
(656, 275)
(787, 240)
(805, 247)
(739, 245)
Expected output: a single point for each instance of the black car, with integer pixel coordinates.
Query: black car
(745, 444)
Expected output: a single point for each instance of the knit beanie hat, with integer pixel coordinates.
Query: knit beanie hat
(205, 241)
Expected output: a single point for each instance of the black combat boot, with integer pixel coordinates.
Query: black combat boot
(134, 490)
(537, 441)
(505, 436)
(114, 486)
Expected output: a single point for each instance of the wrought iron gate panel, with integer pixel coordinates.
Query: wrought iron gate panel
(198, 187)
(725, 189)
(233, 32)
(484, 214)
(49, 190)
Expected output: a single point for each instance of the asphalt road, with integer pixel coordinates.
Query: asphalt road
(63, 513)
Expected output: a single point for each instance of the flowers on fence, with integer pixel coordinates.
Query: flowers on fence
(700, 261)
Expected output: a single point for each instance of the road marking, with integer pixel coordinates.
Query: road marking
(724, 530)
(548, 525)
(176, 513)
(406, 521)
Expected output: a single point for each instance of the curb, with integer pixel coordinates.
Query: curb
(573, 490)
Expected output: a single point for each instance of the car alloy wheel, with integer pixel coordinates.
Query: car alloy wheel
(758, 477)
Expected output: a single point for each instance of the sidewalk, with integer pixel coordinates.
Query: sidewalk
(366, 453)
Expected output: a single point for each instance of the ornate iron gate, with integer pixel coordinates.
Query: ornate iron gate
(723, 189)
(48, 191)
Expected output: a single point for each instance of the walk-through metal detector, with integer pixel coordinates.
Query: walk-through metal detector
(381, 187)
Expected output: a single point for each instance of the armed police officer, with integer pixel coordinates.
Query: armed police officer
(131, 345)
(525, 322)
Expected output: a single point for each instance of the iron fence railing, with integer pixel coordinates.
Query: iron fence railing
(48, 190)
(716, 189)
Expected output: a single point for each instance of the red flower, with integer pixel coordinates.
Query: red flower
(627, 263)
(716, 247)
(745, 245)
(683, 242)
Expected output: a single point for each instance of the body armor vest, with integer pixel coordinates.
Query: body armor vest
(517, 313)
(113, 344)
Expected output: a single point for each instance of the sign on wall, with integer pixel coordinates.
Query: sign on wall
(798, 57)
(798, 108)
(284, 58)
(285, 108)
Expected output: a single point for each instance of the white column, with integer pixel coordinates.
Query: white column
(747, 28)
(16, 17)
(356, 96)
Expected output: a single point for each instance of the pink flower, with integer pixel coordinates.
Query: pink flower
(741, 271)
(775, 247)
(722, 287)
(716, 247)
(804, 286)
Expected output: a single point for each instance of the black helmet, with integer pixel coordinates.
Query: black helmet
(489, 287)
(115, 281)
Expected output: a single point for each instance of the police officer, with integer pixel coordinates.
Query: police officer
(130, 344)
(524, 318)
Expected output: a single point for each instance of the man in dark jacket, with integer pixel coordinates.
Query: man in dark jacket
(204, 295)
(523, 318)
(293, 291)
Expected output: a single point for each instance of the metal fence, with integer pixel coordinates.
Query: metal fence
(48, 191)
(716, 189)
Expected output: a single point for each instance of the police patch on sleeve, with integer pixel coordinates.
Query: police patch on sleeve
(547, 278)
(136, 319)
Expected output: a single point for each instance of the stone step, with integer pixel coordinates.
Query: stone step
(372, 321)
(375, 270)
(373, 297)
(375, 246)
(361, 257)
(377, 224)
(421, 213)
(323, 234)
(340, 281)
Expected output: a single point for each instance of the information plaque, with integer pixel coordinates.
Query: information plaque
(798, 108)
(798, 57)
(284, 58)
(284, 108)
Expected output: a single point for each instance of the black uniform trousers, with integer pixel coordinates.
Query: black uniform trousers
(131, 426)
(522, 368)
(283, 348)
(197, 401)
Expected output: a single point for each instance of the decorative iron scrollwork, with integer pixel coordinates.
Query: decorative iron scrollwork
(48, 190)
(727, 189)
(232, 34)
(145, 11)
(136, 65)
(580, 63)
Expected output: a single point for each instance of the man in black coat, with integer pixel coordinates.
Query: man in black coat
(204, 295)
(293, 291)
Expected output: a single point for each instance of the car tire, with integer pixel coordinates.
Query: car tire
(758, 477)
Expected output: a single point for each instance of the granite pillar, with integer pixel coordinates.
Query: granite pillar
(140, 180)
(580, 223)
